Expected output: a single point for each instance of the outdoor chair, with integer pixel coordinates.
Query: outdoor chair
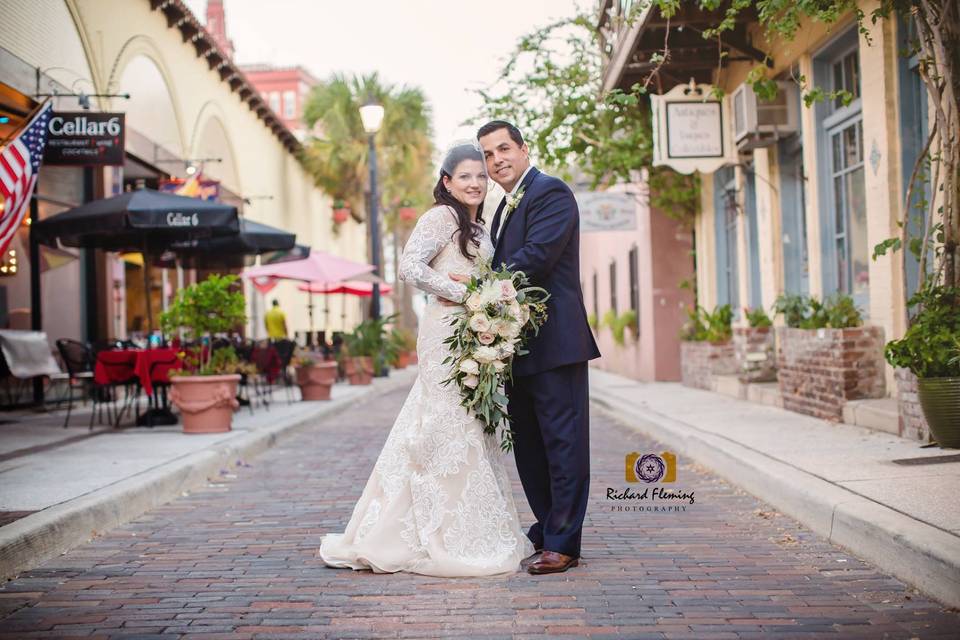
(77, 357)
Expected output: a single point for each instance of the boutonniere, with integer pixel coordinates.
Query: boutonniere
(513, 201)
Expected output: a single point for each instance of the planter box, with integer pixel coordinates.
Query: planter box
(206, 403)
(701, 362)
(756, 357)
(315, 381)
(820, 369)
(403, 360)
(912, 423)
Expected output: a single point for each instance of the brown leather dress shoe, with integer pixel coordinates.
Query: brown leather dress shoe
(551, 562)
(530, 558)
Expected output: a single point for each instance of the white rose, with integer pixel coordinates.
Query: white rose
(470, 366)
(498, 365)
(480, 323)
(514, 309)
(506, 349)
(471, 381)
(473, 302)
(489, 294)
(486, 338)
(485, 355)
(507, 291)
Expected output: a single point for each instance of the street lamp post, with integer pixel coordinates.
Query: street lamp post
(371, 113)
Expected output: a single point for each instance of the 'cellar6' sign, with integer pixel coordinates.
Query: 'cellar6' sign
(84, 138)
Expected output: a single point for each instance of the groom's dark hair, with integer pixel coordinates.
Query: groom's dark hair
(496, 125)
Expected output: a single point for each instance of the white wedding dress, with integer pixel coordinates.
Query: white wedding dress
(439, 501)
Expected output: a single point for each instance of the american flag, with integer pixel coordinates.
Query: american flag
(19, 166)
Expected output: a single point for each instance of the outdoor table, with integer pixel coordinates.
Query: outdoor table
(149, 367)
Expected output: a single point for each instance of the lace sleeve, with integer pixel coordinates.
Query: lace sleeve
(433, 232)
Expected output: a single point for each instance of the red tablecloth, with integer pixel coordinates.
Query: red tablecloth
(148, 365)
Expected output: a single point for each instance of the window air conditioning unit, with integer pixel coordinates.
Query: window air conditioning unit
(758, 123)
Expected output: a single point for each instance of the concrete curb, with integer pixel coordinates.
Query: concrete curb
(32, 540)
(915, 552)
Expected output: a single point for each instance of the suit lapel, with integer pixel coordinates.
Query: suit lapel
(495, 225)
(533, 173)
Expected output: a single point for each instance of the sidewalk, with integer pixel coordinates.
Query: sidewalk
(839, 480)
(60, 487)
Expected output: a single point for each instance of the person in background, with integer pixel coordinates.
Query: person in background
(276, 322)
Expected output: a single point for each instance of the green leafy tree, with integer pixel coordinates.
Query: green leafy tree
(337, 155)
(551, 88)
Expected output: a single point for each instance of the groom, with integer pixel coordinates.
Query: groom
(536, 230)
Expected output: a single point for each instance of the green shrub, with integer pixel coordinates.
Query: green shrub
(757, 318)
(930, 348)
(202, 310)
(593, 321)
(626, 320)
(803, 312)
(704, 326)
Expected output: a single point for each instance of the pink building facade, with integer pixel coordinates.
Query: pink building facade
(641, 269)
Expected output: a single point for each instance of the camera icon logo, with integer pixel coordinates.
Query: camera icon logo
(650, 467)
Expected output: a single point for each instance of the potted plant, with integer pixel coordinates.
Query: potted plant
(314, 375)
(826, 356)
(930, 349)
(205, 388)
(341, 210)
(358, 353)
(706, 350)
(406, 347)
(753, 347)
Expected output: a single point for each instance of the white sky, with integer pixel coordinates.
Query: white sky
(447, 48)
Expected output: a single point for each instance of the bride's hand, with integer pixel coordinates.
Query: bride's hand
(456, 277)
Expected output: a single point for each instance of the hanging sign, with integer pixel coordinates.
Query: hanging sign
(689, 130)
(84, 138)
(606, 211)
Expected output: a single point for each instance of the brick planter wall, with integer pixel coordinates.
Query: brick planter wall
(912, 423)
(701, 361)
(820, 369)
(754, 349)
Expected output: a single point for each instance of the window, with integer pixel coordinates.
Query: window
(634, 264)
(289, 104)
(846, 76)
(914, 129)
(613, 286)
(275, 101)
(725, 220)
(753, 237)
(840, 167)
(796, 267)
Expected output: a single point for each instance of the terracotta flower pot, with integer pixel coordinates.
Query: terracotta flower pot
(316, 380)
(205, 402)
(407, 213)
(360, 370)
(413, 356)
(341, 215)
(403, 360)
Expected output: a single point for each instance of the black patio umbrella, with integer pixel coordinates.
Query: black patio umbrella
(229, 252)
(297, 252)
(143, 220)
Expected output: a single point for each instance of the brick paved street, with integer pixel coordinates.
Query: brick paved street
(237, 560)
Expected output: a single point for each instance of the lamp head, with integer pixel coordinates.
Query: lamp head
(371, 113)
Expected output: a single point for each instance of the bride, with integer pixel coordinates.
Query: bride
(439, 501)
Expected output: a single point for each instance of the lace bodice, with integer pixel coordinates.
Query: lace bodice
(432, 253)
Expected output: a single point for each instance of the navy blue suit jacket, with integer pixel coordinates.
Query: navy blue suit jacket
(541, 237)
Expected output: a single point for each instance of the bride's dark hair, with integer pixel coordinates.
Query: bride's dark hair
(469, 232)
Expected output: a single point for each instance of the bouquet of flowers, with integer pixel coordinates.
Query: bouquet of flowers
(501, 311)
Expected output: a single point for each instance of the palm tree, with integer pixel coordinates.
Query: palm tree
(337, 155)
